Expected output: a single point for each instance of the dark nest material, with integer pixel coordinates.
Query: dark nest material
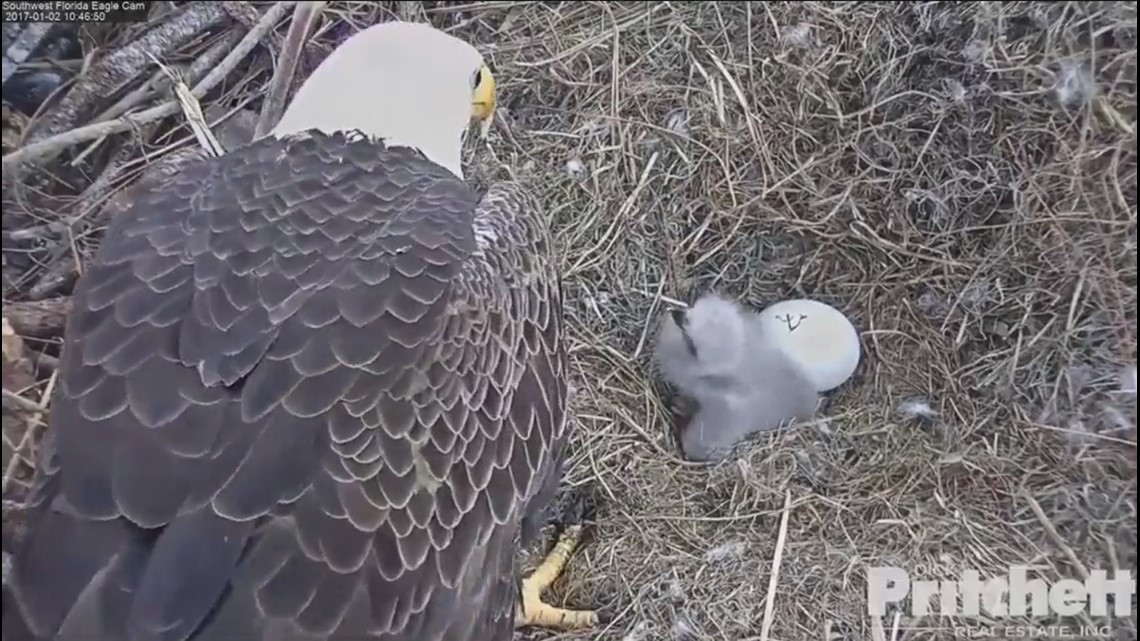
(959, 178)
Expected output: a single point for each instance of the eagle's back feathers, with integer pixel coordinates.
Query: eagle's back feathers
(308, 391)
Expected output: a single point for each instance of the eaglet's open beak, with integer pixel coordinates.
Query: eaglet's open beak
(483, 101)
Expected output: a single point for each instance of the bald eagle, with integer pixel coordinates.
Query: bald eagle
(313, 388)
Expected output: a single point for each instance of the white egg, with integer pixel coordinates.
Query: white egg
(817, 337)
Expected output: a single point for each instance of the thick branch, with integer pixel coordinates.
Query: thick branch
(123, 65)
(305, 15)
(38, 319)
(23, 46)
(55, 144)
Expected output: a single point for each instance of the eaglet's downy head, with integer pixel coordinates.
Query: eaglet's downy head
(407, 83)
(704, 342)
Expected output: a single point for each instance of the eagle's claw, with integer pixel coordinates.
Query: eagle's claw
(532, 610)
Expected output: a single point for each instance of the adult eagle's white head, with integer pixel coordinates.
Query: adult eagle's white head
(405, 82)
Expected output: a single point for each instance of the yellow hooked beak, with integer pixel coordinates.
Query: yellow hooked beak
(483, 100)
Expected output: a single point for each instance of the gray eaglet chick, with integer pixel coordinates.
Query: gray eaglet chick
(716, 354)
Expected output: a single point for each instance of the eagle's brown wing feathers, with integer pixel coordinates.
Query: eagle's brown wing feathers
(308, 391)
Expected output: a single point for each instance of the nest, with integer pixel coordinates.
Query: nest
(960, 179)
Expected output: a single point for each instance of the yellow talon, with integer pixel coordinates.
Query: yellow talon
(533, 611)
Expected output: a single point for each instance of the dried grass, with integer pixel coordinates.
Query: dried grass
(959, 178)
